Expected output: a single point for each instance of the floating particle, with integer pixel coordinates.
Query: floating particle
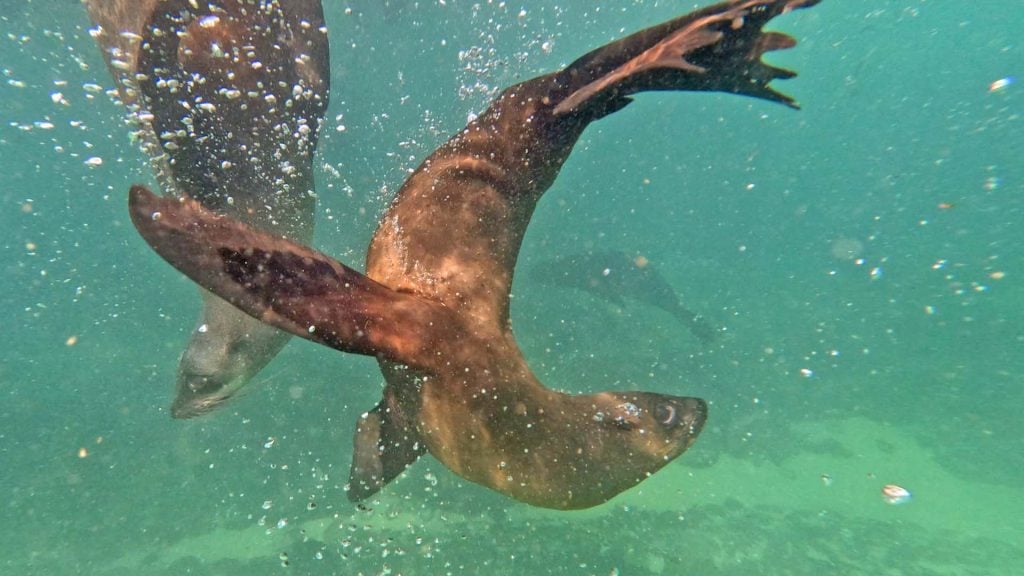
(893, 494)
(83, 452)
(997, 275)
(71, 341)
(806, 372)
(876, 273)
(94, 161)
(1000, 85)
(826, 479)
(846, 249)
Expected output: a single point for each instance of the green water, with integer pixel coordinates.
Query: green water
(863, 254)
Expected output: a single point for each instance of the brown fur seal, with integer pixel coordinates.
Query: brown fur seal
(228, 98)
(433, 304)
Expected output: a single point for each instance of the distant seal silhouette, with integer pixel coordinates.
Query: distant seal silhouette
(615, 277)
(228, 98)
(433, 304)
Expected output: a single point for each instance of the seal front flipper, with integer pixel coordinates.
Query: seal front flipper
(718, 48)
(385, 444)
(284, 284)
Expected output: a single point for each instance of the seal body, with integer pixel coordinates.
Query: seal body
(433, 305)
(228, 98)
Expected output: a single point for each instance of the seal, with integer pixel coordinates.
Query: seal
(228, 98)
(615, 277)
(433, 305)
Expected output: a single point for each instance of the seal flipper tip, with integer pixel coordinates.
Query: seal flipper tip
(382, 449)
(718, 48)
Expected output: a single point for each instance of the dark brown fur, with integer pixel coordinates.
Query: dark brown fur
(249, 157)
(433, 305)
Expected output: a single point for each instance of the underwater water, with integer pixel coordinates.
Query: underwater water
(862, 256)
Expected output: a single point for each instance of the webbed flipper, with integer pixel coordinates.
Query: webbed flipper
(285, 284)
(717, 48)
(383, 447)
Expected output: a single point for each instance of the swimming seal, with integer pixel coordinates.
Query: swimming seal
(228, 98)
(617, 277)
(433, 305)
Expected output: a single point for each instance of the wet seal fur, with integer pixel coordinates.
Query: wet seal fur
(227, 98)
(433, 304)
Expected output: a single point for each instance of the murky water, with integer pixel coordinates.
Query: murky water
(863, 256)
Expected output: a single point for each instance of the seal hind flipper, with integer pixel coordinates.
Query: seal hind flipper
(718, 48)
(286, 285)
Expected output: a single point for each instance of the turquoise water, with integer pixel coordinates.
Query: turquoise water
(862, 254)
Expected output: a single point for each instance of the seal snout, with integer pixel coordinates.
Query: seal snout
(694, 416)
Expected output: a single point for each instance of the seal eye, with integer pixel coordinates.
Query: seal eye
(666, 414)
